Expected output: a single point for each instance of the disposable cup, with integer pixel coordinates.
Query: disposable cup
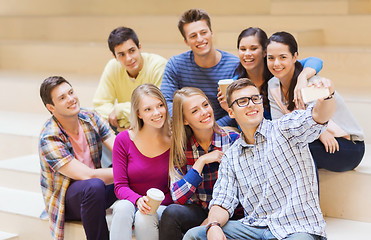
(223, 84)
(155, 197)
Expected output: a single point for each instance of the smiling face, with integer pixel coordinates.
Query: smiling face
(280, 61)
(152, 111)
(65, 102)
(198, 113)
(130, 57)
(198, 37)
(249, 116)
(251, 53)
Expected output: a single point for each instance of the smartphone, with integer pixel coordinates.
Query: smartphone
(313, 93)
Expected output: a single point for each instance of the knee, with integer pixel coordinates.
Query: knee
(143, 221)
(171, 212)
(195, 233)
(94, 188)
(123, 207)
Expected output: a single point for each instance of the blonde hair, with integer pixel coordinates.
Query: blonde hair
(148, 89)
(182, 133)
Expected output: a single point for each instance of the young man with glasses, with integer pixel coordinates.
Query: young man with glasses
(270, 171)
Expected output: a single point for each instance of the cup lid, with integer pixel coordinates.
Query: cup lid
(225, 81)
(155, 194)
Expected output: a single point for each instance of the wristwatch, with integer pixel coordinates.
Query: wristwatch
(208, 226)
(330, 96)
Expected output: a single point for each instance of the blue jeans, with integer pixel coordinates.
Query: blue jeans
(237, 230)
(87, 201)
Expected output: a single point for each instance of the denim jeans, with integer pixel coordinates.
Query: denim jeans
(87, 200)
(237, 230)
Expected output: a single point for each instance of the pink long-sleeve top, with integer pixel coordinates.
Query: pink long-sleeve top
(135, 173)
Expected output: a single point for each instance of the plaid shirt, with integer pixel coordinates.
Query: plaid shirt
(274, 179)
(55, 150)
(193, 187)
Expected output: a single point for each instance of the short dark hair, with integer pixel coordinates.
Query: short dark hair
(120, 35)
(237, 85)
(47, 87)
(193, 15)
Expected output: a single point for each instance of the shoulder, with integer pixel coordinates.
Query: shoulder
(93, 118)
(273, 82)
(50, 128)
(227, 135)
(226, 56)
(153, 59)
(113, 64)
(234, 150)
(87, 114)
(180, 58)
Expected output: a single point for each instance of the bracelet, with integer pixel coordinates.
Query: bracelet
(208, 226)
(330, 96)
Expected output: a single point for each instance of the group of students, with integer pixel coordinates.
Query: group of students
(183, 139)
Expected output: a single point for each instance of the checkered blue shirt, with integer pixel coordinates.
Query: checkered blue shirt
(274, 179)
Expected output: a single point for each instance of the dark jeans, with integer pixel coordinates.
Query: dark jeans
(348, 158)
(87, 200)
(177, 219)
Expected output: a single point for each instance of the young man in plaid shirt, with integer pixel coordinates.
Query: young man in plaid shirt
(74, 185)
(270, 171)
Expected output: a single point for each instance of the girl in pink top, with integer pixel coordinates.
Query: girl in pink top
(140, 160)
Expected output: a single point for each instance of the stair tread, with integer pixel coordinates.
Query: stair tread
(28, 163)
(342, 229)
(21, 202)
(6, 235)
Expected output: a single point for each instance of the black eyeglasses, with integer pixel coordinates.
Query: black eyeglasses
(244, 101)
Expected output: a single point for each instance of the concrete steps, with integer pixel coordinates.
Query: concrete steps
(20, 212)
(24, 172)
(119, 7)
(8, 236)
(152, 28)
(318, 7)
(68, 38)
(18, 215)
(347, 195)
(341, 64)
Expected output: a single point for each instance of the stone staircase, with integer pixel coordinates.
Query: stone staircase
(68, 38)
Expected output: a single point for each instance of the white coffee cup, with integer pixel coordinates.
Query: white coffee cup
(223, 84)
(155, 197)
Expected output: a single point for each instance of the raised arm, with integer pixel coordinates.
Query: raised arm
(324, 108)
(311, 66)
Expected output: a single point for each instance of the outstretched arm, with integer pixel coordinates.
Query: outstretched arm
(311, 66)
(324, 108)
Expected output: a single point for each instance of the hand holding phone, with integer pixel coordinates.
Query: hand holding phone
(312, 93)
